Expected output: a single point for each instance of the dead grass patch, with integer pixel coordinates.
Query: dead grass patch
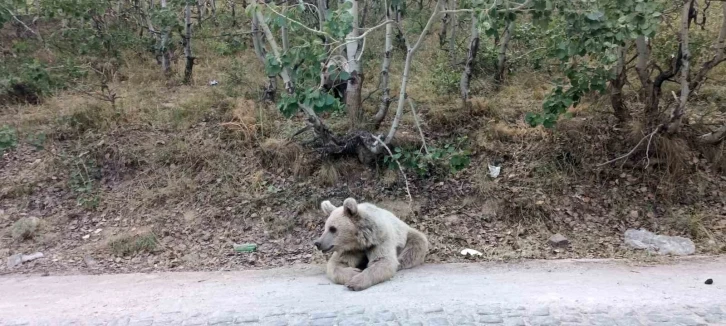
(130, 244)
(327, 174)
(25, 228)
(244, 122)
(282, 154)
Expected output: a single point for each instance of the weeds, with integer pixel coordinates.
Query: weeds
(132, 244)
(8, 139)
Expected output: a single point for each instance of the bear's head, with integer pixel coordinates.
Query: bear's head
(341, 228)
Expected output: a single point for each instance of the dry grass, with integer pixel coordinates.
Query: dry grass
(280, 153)
(25, 228)
(130, 244)
(327, 175)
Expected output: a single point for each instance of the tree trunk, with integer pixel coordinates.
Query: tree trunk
(471, 56)
(445, 20)
(718, 57)
(406, 70)
(385, 76)
(676, 119)
(200, 12)
(502, 56)
(452, 35)
(355, 82)
(616, 88)
(320, 128)
(233, 12)
(271, 87)
(188, 43)
(165, 56)
(650, 91)
(214, 11)
(322, 10)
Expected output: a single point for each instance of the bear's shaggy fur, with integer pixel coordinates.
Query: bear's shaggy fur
(369, 244)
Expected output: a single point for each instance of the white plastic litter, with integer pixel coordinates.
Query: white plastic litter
(472, 252)
(494, 170)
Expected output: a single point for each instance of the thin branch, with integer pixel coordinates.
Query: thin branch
(40, 38)
(418, 125)
(650, 135)
(715, 136)
(400, 168)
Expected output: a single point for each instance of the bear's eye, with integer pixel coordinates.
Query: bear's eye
(332, 229)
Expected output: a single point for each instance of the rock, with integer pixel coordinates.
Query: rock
(15, 260)
(18, 259)
(31, 257)
(191, 258)
(558, 240)
(90, 262)
(661, 244)
(709, 281)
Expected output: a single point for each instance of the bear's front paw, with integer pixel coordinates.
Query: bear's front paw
(358, 283)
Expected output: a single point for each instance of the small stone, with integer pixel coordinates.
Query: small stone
(491, 319)
(489, 310)
(658, 318)
(558, 240)
(322, 315)
(541, 311)
(602, 321)
(411, 323)
(687, 321)
(15, 260)
(514, 322)
(275, 313)
(463, 319)
(629, 321)
(433, 310)
(571, 319)
(544, 321)
(323, 322)
(439, 321)
(709, 281)
(386, 316)
(89, 261)
(355, 311)
(86, 237)
(353, 321)
(247, 319)
(277, 322)
(714, 319)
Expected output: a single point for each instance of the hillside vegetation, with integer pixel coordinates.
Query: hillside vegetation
(142, 135)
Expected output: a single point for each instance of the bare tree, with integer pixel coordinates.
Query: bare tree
(471, 56)
(354, 50)
(271, 87)
(616, 87)
(674, 123)
(165, 56)
(385, 75)
(452, 34)
(188, 43)
(502, 55)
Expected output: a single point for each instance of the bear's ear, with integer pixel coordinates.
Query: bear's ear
(327, 207)
(351, 207)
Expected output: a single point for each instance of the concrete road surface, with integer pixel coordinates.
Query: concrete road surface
(522, 293)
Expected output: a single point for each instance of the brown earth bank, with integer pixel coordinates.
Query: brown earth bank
(133, 197)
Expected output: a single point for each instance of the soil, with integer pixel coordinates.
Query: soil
(194, 209)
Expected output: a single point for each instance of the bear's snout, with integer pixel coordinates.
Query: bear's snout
(317, 244)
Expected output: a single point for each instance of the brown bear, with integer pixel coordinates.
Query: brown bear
(369, 244)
